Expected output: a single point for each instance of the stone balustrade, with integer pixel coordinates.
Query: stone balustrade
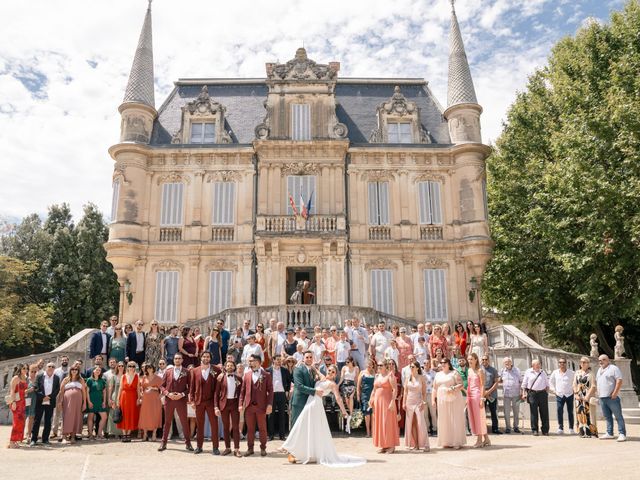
(379, 232)
(170, 234)
(431, 232)
(291, 224)
(222, 234)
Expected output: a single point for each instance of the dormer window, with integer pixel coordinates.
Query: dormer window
(203, 132)
(399, 132)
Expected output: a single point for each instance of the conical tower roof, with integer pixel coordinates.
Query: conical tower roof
(140, 86)
(460, 82)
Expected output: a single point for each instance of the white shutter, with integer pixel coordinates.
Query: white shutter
(166, 310)
(435, 203)
(382, 290)
(224, 196)
(219, 291)
(373, 203)
(424, 202)
(209, 134)
(114, 200)
(301, 185)
(172, 204)
(435, 292)
(383, 196)
(300, 121)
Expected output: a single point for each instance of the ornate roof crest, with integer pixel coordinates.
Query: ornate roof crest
(302, 68)
(398, 104)
(204, 104)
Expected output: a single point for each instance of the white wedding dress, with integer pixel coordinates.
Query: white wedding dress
(310, 438)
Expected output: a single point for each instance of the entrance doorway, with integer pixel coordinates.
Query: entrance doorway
(300, 274)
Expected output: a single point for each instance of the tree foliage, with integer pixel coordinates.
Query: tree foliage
(564, 192)
(68, 273)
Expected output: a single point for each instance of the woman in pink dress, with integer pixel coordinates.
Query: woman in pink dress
(438, 340)
(386, 435)
(405, 347)
(447, 395)
(414, 400)
(475, 401)
(150, 419)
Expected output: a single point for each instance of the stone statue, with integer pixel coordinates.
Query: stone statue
(618, 350)
(593, 341)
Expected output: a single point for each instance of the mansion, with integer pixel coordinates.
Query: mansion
(235, 190)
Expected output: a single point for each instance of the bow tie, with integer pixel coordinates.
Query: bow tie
(230, 375)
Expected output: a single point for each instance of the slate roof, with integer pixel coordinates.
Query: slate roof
(460, 82)
(140, 85)
(357, 100)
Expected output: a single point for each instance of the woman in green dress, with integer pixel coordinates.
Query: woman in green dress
(118, 344)
(363, 392)
(154, 349)
(96, 402)
(113, 391)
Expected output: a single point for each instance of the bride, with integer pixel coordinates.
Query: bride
(310, 438)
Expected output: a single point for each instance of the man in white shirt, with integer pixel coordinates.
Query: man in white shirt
(609, 380)
(343, 349)
(430, 411)
(318, 349)
(405, 373)
(276, 339)
(281, 379)
(420, 333)
(561, 385)
(251, 348)
(535, 387)
(359, 343)
(379, 342)
(511, 385)
(114, 322)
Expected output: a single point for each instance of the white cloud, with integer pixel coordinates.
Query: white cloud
(53, 146)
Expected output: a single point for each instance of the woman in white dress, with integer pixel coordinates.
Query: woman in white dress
(479, 344)
(310, 438)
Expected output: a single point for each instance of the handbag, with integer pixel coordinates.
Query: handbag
(532, 384)
(117, 415)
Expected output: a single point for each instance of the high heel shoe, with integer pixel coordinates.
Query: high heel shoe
(486, 443)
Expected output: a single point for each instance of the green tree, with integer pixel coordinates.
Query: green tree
(24, 327)
(564, 192)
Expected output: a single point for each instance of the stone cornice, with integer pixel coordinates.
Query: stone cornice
(287, 150)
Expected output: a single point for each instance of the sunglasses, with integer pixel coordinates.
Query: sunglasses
(131, 366)
(74, 370)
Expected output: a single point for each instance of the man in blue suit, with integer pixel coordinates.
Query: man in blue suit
(136, 344)
(100, 342)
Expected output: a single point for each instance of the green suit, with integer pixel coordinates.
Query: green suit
(304, 385)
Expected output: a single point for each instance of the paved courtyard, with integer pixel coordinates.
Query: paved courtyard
(511, 457)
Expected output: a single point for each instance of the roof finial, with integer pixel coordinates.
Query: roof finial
(461, 88)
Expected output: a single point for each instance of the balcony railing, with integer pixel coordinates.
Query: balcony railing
(379, 232)
(297, 224)
(222, 234)
(431, 232)
(170, 234)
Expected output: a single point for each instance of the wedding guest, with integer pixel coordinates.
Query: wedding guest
(154, 347)
(188, 348)
(72, 403)
(478, 341)
(202, 388)
(447, 396)
(535, 386)
(171, 345)
(175, 388)
(235, 350)
(225, 336)
(561, 385)
(199, 338)
(460, 339)
(17, 404)
(118, 345)
(318, 349)
(511, 385)
(129, 400)
(251, 348)
(379, 343)
(347, 384)
(303, 340)
(475, 401)
(30, 399)
(421, 350)
(330, 339)
(136, 342)
(150, 419)
(261, 339)
(364, 388)
(492, 380)
(212, 345)
(438, 340)
(98, 361)
(277, 338)
(113, 393)
(392, 352)
(281, 379)
(290, 344)
(430, 411)
(256, 400)
(584, 387)
(128, 328)
(237, 336)
(62, 371)
(609, 381)
(342, 350)
(226, 406)
(96, 403)
(405, 348)
(385, 431)
(359, 342)
(446, 333)
(162, 367)
(47, 390)
(113, 320)
(421, 332)
(414, 399)
(100, 342)
(246, 329)
(393, 368)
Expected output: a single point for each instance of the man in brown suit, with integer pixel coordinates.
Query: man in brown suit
(175, 387)
(202, 388)
(228, 387)
(256, 398)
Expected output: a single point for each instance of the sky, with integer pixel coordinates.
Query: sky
(64, 66)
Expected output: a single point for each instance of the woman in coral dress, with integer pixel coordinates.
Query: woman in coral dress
(414, 400)
(405, 347)
(447, 395)
(460, 339)
(129, 402)
(18, 404)
(386, 435)
(475, 401)
(261, 340)
(72, 403)
(151, 408)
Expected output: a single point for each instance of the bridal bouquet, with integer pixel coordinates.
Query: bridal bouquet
(356, 419)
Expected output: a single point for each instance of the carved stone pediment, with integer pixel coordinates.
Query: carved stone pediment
(167, 264)
(173, 178)
(377, 175)
(221, 264)
(433, 262)
(204, 104)
(380, 264)
(299, 168)
(302, 68)
(429, 177)
(223, 176)
(398, 104)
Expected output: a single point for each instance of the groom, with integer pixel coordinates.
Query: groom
(304, 385)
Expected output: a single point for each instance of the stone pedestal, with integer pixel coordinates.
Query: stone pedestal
(627, 395)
